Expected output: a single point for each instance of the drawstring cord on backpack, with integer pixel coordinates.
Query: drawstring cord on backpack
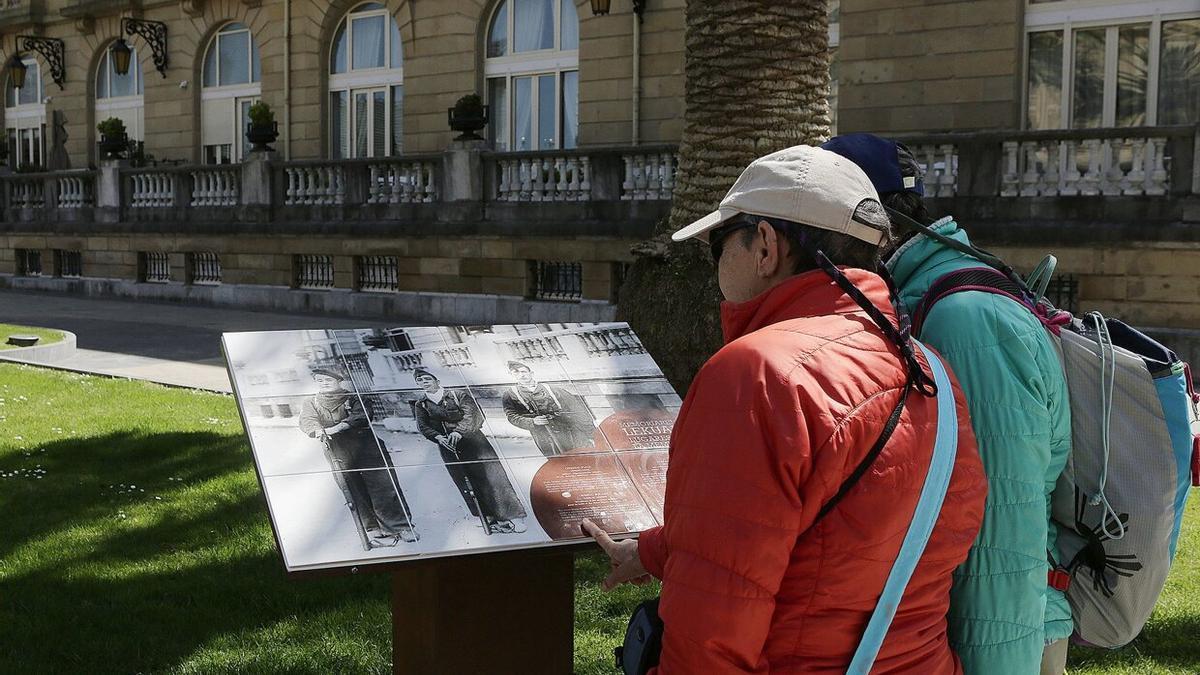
(1108, 380)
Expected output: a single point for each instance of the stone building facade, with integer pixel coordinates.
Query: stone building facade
(442, 54)
(1065, 126)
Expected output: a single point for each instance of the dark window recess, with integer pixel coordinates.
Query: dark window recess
(556, 280)
(204, 267)
(395, 340)
(68, 264)
(620, 271)
(314, 271)
(154, 267)
(29, 262)
(1063, 292)
(377, 273)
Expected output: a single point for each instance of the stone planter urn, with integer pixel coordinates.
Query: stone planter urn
(468, 116)
(113, 145)
(261, 136)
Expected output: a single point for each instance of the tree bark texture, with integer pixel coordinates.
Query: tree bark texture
(757, 78)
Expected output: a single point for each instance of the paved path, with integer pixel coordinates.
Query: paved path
(168, 343)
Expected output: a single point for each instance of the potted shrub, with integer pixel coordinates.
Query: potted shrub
(262, 129)
(113, 139)
(468, 115)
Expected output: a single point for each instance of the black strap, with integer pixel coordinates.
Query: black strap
(861, 469)
(900, 335)
(975, 252)
(984, 279)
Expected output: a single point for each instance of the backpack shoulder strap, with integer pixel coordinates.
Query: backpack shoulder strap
(983, 279)
(933, 494)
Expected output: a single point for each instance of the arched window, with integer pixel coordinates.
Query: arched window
(120, 95)
(366, 85)
(230, 85)
(25, 118)
(532, 70)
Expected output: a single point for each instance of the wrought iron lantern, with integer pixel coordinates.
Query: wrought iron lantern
(16, 71)
(121, 55)
(600, 7)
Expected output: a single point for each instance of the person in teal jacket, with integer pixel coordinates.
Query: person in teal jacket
(1004, 617)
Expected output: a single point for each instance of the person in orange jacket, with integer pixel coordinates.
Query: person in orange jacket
(758, 575)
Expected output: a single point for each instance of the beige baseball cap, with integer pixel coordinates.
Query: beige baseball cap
(806, 185)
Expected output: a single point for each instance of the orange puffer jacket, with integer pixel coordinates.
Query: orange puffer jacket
(771, 426)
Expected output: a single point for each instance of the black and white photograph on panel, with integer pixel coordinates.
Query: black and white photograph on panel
(376, 445)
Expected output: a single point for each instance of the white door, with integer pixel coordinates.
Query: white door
(369, 123)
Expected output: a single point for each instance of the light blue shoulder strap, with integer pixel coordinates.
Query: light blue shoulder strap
(930, 505)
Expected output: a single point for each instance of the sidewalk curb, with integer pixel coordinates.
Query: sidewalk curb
(47, 354)
(112, 376)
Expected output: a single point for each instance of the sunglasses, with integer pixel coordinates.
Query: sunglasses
(718, 237)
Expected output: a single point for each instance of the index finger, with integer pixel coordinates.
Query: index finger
(595, 532)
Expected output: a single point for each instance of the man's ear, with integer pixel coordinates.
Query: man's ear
(767, 254)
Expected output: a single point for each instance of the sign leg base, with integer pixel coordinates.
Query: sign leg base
(497, 613)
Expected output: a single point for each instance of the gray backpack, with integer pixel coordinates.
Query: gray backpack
(1119, 503)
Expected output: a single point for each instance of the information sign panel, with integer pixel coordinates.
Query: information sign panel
(379, 445)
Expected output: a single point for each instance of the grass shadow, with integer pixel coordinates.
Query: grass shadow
(99, 579)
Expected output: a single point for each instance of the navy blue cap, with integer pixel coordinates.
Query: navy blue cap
(889, 164)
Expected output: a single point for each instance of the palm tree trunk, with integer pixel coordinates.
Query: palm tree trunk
(757, 77)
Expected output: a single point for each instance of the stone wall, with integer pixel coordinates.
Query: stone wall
(606, 74)
(1145, 284)
(461, 265)
(925, 65)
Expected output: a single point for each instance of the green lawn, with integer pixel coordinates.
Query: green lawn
(134, 538)
(47, 335)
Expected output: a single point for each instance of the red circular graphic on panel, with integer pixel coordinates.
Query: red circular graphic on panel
(648, 429)
(568, 488)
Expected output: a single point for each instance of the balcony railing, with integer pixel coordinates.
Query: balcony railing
(536, 177)
(1090, 166)
(314, 184)
(609, 190)
(151, 188)
(32, 196)
(216, 186)
(77, 191)
(1142, 161)
(27, 192)
(402, 182)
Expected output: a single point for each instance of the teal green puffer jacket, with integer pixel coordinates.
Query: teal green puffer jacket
(1002, 613)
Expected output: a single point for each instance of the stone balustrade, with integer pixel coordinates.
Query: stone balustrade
(216, 185)
(468, 189)
(401, 182)
(314, 184)
(75, 191)
(940, 164)
(542, 177)
(151, 188)
(535, 348)
(457, 356)
(605, 341)
(407, 361)
(649, 176)
(26, 192)
(1134, 165)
